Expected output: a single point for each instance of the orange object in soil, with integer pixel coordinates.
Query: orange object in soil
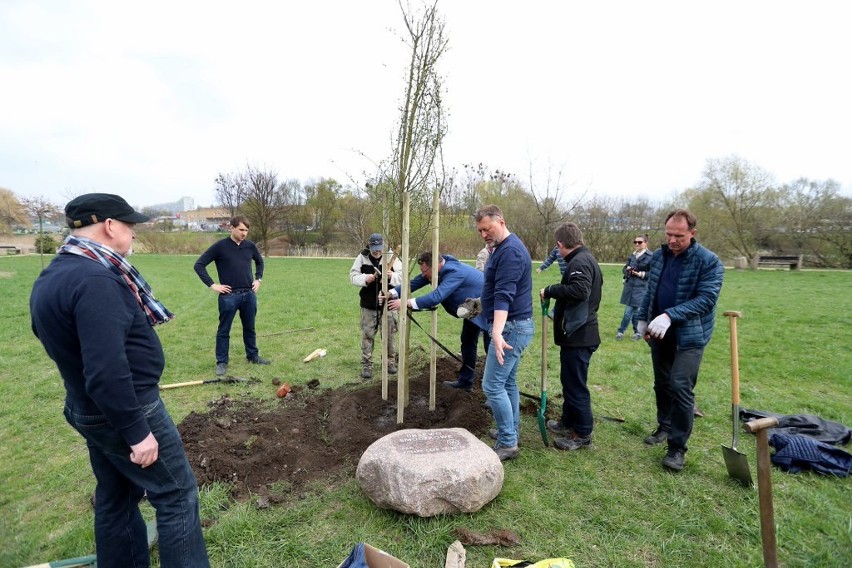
(283, 390)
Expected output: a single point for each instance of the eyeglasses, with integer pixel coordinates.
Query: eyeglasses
(638, 242)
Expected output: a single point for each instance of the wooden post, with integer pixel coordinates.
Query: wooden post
(385, 315)
(436, 263)
(402, 366)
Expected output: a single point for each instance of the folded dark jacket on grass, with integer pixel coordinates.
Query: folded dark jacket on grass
(803, 424)
(794, 453)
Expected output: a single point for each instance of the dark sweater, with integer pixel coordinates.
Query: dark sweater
(233, 263)
(508, 281)
(93, 328)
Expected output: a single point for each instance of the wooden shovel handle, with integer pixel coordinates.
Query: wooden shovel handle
(755, 426)
(735, 358)
(177, 385)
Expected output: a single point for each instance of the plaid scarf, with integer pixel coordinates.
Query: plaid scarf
(155, 311)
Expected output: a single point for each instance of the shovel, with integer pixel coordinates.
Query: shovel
(736, 461)
(206, 382)
(764, 488)
(542, 407)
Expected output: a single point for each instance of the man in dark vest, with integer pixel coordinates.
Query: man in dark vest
(365, 273)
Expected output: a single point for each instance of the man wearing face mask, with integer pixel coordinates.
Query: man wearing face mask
(683, 287)
(366, 273)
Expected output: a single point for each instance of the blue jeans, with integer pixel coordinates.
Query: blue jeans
(244, 301)
(574, 375)
(499, 384)
(631, 315)
(675, 375)
(120, 533)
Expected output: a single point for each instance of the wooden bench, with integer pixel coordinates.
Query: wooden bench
(10, 249)
(793, 261)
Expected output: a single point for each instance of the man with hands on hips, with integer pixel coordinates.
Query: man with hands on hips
(677, 317)
(237, 290)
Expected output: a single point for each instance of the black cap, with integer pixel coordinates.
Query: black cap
(94, 208)
(375, 242)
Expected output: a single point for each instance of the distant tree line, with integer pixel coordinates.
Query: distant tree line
(742, 212)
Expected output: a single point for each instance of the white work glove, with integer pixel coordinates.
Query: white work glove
(471, 308)
(642, 327)
(660, 324)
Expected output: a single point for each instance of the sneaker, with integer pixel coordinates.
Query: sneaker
(506, 453)
(458, 385)
(636, 337)
(574, 442)
(658, 437)
(391, 369)
(367, 372)
(673, 460)
(619, 336)
(259, 361)
(221, 369)
(558, 428)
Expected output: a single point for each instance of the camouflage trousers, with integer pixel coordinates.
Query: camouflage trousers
(371, 322)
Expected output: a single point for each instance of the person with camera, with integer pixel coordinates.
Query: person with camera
(635, 272)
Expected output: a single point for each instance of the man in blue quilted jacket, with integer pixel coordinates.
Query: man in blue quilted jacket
(676, 318)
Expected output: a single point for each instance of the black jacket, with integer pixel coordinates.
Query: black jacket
(578, 297)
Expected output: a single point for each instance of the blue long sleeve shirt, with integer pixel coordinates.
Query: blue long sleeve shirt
(554, 255)
(508, 281)
(233, 263)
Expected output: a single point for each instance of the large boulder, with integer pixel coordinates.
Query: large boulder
(429, 472)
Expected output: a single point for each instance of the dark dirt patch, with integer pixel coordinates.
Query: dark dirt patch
(315, 434)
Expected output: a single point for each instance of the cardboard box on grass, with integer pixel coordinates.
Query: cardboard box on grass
(380, 559)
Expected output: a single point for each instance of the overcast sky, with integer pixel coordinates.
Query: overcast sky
(152, 100)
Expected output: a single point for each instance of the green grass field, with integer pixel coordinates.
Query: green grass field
(611, 506)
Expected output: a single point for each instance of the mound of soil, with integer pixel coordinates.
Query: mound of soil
(316, 434)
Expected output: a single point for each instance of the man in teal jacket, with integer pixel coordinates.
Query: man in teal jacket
(680, 304)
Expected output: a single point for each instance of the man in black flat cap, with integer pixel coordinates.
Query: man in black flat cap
(94, 314)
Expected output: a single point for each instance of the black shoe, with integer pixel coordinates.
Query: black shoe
(505, 453)
(658, 437)
(458, 385)
(367, 372)
(391, 369)
(673, 460)
(573, 442)
(259, 361)
(221, 369)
